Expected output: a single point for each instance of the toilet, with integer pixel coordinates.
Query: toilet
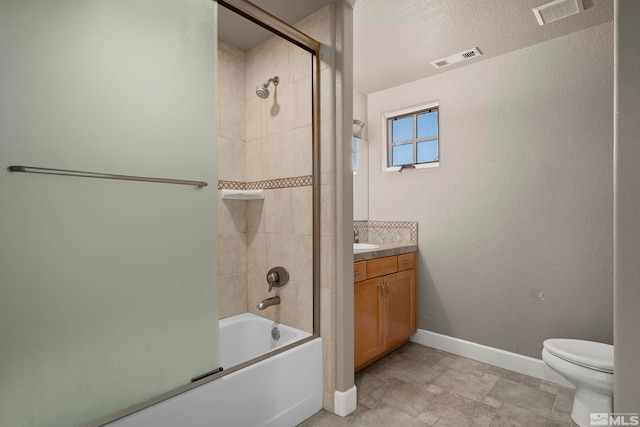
(589, 367)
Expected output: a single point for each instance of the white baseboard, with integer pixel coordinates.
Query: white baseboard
(493, 356)
(345, 402)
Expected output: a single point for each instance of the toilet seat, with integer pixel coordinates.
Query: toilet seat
(589, 354)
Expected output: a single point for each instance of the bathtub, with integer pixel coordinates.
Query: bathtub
(282, 390)
(256, 338)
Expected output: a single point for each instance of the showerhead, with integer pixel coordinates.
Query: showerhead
(263, 90)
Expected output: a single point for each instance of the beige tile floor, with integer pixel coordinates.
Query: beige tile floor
(422, 386)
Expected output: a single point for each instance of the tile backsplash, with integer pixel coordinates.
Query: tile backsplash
(387, 231)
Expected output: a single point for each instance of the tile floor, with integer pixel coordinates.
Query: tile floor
(422, 386)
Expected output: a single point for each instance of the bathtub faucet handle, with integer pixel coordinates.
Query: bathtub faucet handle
(273, 277)
(277, 276)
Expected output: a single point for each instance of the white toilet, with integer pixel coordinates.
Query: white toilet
(589, 367)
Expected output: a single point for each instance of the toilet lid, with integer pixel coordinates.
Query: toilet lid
(590, 354)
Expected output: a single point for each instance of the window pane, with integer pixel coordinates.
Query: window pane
(428, 124)
(354, 160)
(428, 151)
(402, 129)
(402, 155)
(355, 144)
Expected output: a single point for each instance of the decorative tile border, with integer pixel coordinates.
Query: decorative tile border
(270, 184)
(388, 231)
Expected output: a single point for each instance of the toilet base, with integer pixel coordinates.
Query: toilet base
(586, 402)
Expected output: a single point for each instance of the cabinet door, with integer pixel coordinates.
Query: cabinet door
(399, 307)
(368, 298)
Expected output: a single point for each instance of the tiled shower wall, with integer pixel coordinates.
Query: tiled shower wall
(232, 155)
(232, 166)
(267, 143)
(279, 140)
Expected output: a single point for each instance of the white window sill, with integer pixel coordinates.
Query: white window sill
(418, 166)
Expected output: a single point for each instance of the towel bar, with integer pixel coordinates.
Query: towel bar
(48, 171)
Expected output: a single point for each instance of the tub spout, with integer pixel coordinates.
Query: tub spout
(268, 302)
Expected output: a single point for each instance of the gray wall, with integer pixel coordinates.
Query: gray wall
(515, 226)
(627, 204)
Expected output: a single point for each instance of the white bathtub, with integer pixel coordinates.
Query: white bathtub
(255, 333)
(282, 390)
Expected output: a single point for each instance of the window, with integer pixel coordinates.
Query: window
(412, 137)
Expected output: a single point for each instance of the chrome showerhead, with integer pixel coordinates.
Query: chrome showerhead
(263, 90)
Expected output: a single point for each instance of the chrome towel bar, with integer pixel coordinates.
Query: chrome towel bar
(48, 171)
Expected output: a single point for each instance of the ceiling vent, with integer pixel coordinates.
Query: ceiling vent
(458, 57)
(556, 10)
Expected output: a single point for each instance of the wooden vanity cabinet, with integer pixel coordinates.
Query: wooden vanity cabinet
(385, 306)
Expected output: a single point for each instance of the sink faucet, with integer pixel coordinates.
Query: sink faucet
(268, 302)
(356, 235)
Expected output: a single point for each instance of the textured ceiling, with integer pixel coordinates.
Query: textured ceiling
(396, 40)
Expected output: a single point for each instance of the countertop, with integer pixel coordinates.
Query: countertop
(385, 249)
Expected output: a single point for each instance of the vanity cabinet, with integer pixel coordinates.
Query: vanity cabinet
(385, 309)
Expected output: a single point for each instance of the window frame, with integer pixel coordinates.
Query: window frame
(387, 145)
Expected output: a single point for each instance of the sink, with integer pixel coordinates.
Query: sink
(363, 246)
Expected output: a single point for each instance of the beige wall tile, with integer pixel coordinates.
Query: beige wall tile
(232, 295)
(318, 25)
(327, 149)
(329, 358)
(232, 216)
(281, 108)
(231, 71)
(257, 253)
(278, 155)
(327, 203)
(255, 219)
(302, 267)
(288, 295)
(303, 313)
(232, 253)
(255, 116)
(302, 151)
(232, 155)
(302, 209)
(327, 321)
(255, 160)
(280, 250)
(303, 105)
(300, 62)
(327, 89)
(231, 118)
(277, 211)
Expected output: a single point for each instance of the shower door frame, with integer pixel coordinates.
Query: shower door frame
(282, 29)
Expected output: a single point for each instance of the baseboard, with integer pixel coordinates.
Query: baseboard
(345, 402)
(493, 356)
